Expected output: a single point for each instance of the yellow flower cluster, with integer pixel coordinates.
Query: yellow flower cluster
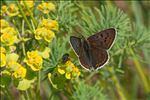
(27, 4)
(3, 56)
(69, 70)
(18, 70)
(8, 34)
(3, 10)
(13, 10)
(44, 33)
(34, 60)
(4, 24)
(46, 7)
(10, 61)
(49, 24)
(45, 30)
(62, 73)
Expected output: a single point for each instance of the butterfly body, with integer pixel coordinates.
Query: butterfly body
(92, 52)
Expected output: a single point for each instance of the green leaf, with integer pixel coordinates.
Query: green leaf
(58, 48)
(86, 92)
(66, 15)
(5, 79)
(12, 57)
(24, 84)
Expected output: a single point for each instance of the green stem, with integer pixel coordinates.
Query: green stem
(9, 95)
(23, 46)
(91, 75)
(51, 95)
(120, 90)
(140, 71)
(20, 37)
(38, 87)
(24, 16)
(29, 92)
(23, 96)
(27, 95)
(31, 14)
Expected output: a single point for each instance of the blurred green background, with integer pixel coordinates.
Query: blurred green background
(127, 74)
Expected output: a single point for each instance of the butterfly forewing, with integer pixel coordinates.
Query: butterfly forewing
(76, 44)
(103, 39)
(79, 49)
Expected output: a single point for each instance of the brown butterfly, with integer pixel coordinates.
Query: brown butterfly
(92, 52)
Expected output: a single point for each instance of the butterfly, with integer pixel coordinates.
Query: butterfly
(92, 52)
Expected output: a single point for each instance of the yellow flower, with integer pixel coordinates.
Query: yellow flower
(39, 33)
(69, 64)
(8, 39)
(71, 68)
(53, 25)
(20, 72)
(49, 24)
(29, 4)
(4, 23)
(43, 33)
(76, 71)
(61, 70)
(3, 10)
(34, 60)
(68, 75)
(2, 50)
(13, 10)
(46, 7)
(49, 36)
(26, 4)
(2, 59)
(9, 30)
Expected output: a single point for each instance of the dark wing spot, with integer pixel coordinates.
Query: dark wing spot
(107, 34)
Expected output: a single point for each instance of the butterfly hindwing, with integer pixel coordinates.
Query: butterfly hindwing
(103, 39)
(84, 60)
(99, 57)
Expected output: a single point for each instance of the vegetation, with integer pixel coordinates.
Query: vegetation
(35, 35)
